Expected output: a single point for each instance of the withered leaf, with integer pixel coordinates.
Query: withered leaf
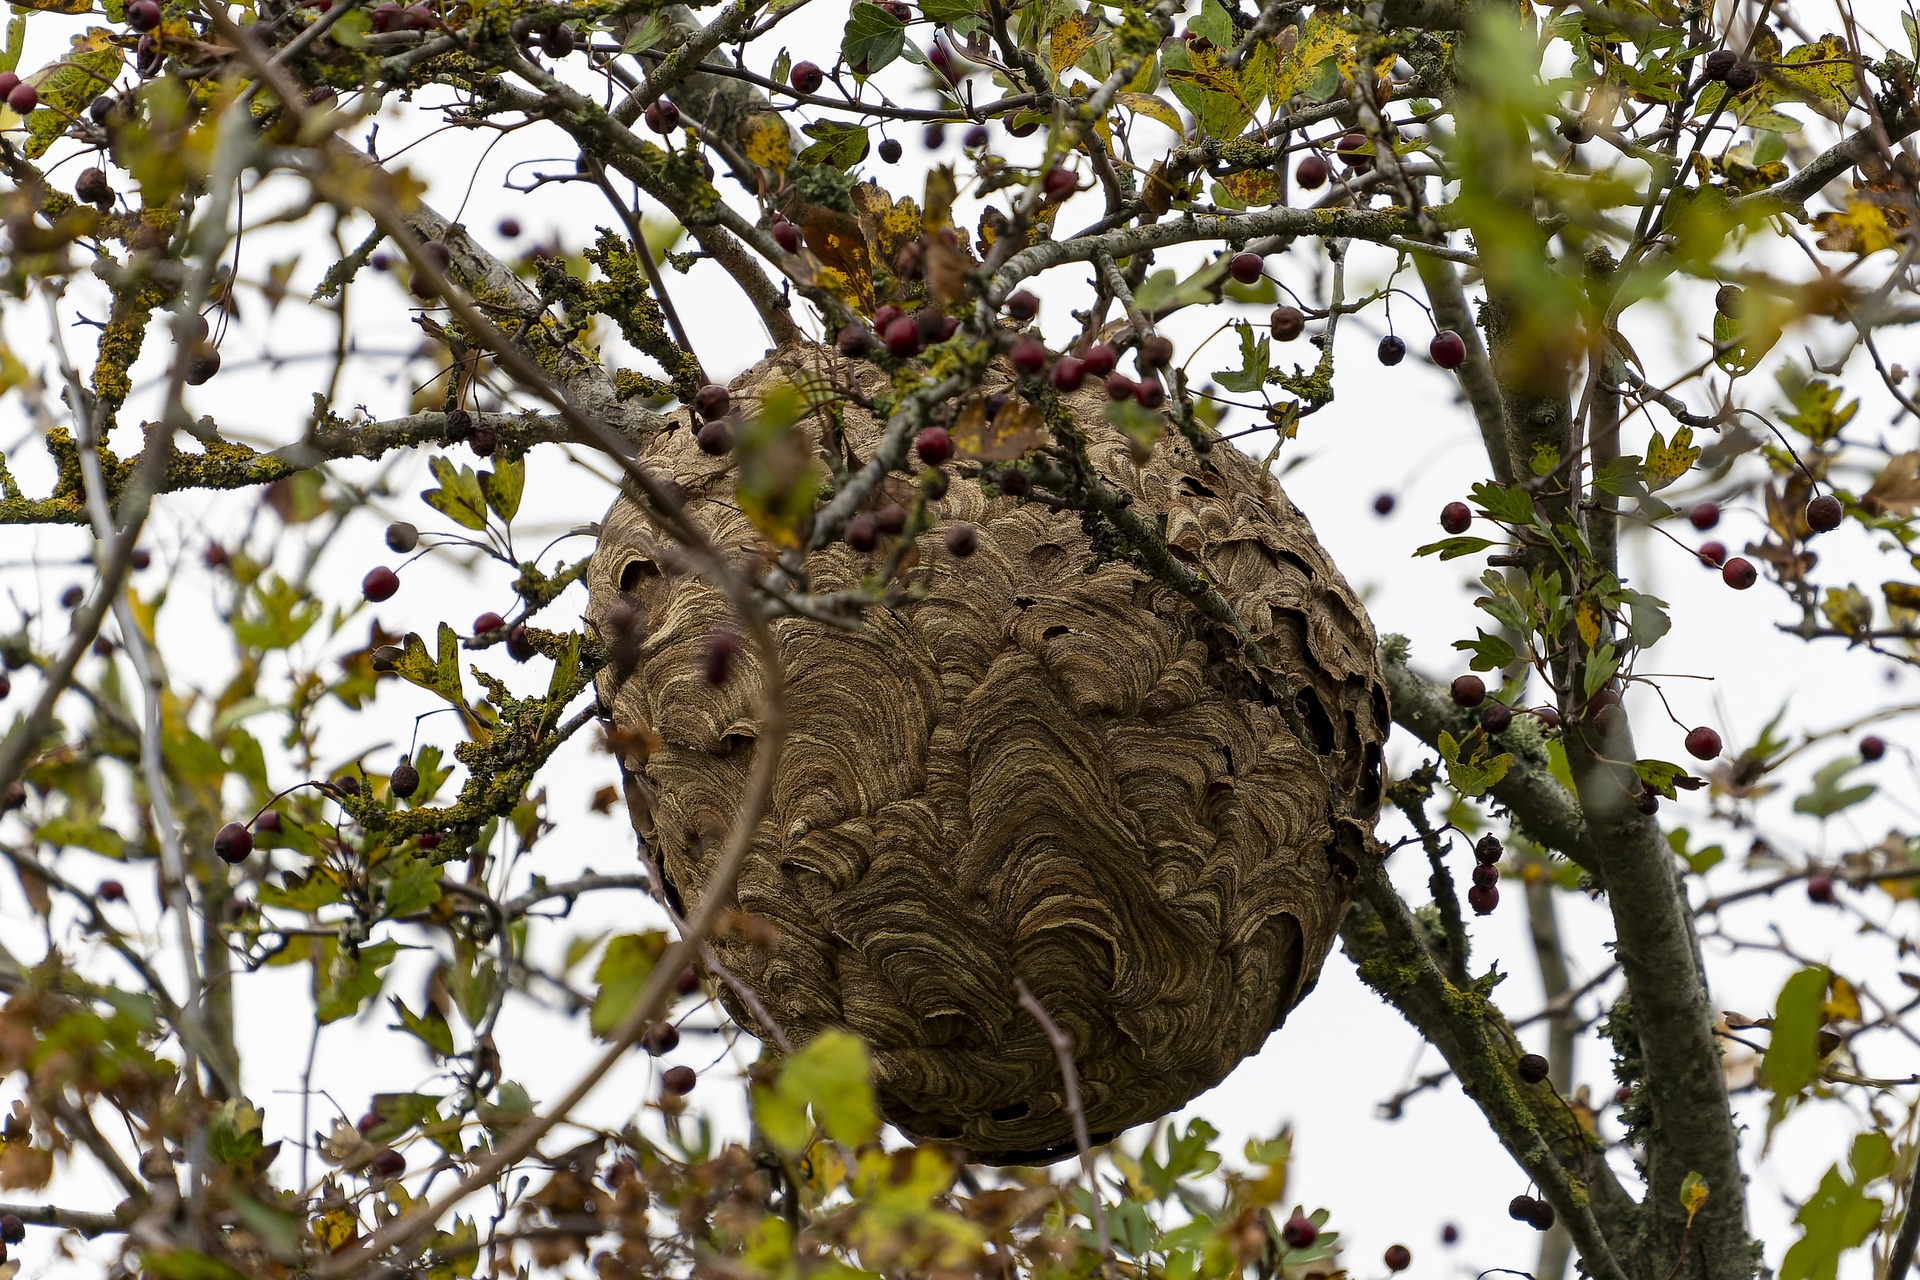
(1017, 428)
(1896, 490)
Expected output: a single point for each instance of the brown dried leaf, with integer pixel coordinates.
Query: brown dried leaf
(946, 268)
(1896, 490)
(837, 240)
(1017, 428)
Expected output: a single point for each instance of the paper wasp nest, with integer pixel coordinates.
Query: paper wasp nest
(1050, 767)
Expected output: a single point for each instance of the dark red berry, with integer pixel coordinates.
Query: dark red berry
(1120, 387)
(663, 117)
(660, 1038)
(852, 342)
(890, 150)
(1532, 1068)
(1469, 690)
(716, 656)
(1488, 850)
(903, 337)
(891, 519)
(143, 15)
(1703, 743)
(509, 228)
(1155, 352)
(72, 597)
(1397, 1257)
(109, 891)
(1718, 63)
(1391, 350)
(347, 784)
(1312, 172)
(1742, 76)
(1020, 128)
(1739, 573)
(714, 438)
(787, 236)
(203, 358)
(428, 839)
(1449, 1234)
(1068, 373)
(1496, 718)
(459, 426)
(379, 584)
(1483, 898)
(863, 532)
(1704, 515)
(1540, 1216)
(1012, 483)
(1648, 801)
(402, 537)
(141, 558)
(1028, 356)
(712, 401)
(268, 823)
(1713, 554)
(934, 445)
(1456, 517)
(1287, 323)
(1485, 873)
(1150, 393)
(1824, 513)
(6, 684)
(1448, 349)
(1059, 183)
(488, 623)
(1299, 1231)
(519, 648)
(405, 779)
(688, 982)
(389, 1164)
(1820, 888)
(935, 136)
(976, 138)
(885, 316)
(1099, 360)
(678, 1081)
(233, 843)
(92, 186)
(961, 539)
(1246, 267)
(556, 40)
(1383, 504)
(1872, 747)
(1520, 1208)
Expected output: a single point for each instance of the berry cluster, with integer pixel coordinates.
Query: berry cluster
(1531, 1210)
(1484, 896)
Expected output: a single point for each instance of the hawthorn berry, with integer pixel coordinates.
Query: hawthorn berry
(712, 401)
(1824, 513)
(1099, 360)
(1820, 888)
(1448, 349)
(787, 236)
(556, 41)
(92, 186)
(1739, 573)
(1703, 743)
(663, 117)
(268, 823)
(1717, 64)
(203, 358)
(1704, 515)
(807, 77)
(1021, 128)
(934, 445)
(933, 483)
(6, 684)
(109, 891)
(891, 519)
(1488, 850)
(716, 656)
(1647, 801)
(688, 982)
(1312, 172)
(143, 15)
(1742, 76)
(1483, 898)
(1068, 373)
(405, 779)
(519, 648)
(852, 342)
(1299, 1231)
(1022, 306)
(1059, 183)
(379, 584)
(1872, 747)
(935, 136)
(141, 558)
(233, 843)
(1028, 356)
(863, 532)
(1520, 1208)
(1456, 517)
(678, 1081)
(1383, 505)
(1246, 267)
(1532, 1068)
(389, 1164)
(1713, 554)
(1150, 393)
(1484, 873)
(485, 440)
(1155, 351)
(1287, 323)
(1352, 150)
(459, 426)
(1120, 386)
(1392, 350)
(488, 623)
(1397, 1257)
(961, 539)
(890, 150)
(509, 228)
(660, 1038)
(72, 597)
(1011, 482)
(1496, 719)
(402, 537)
(902, 337)
(976, 138)
(1469, 690)
(1449, 1234)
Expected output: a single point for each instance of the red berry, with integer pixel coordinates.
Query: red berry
(903, 337)
(6, 684)
(1872, 747)
(8, 83)
(663, 117)
(1068, 373)
(716, 656)
(1703, 743)
(1704, 515)
(1532, 1068)
(1485, 873)
(891, 519)
(405, 779)
(1099, 360)
(1299, 1231)
(1287, 323)
(1352, 148)
(712, 401)
(1120, 387)
(1496, 718)
(1739, 573)
(1059, 183)
(1246, 267)
(519, 648)
(488, 623)
(1824, 513)
(143, 15)
(1449, 1234)
(1456, 517)
(1713, 554)
(714, 438)
(961, 539)
(1520, 1208)
(1150, 393)
(1028, 356)
(24, 98)
(509, 228)
(379, 584)
(1483, 898)
(787, 236)
(1820, 888)
(890, 150)
(807, 77)
(678, 1081)
(389, 1164)
(1448, 349)
(852, 342)
(934, 445)
(1313, 172)
(863, 532)
(885, 316)
(1383, 505)
(268, 823)
(110, 891)
(1469, 690)
(1155, 351)
(661, 1037)
(1022, 306)
(233, 843)
(1397, 1257)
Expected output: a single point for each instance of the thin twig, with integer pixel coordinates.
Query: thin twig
(1063, 1051)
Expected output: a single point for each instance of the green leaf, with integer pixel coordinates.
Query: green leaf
(440, 674)
(1601, 664)
(1255, 360)
(1476, 774)
(1454, 548)
(1163, 291)
(1504, 503)
(1620, 477)
(1792, 1060)
(1667, 462)
(948, 12)
(1839, 1216)
(430, 1029)
(1828, 797)
(648, 33)
(459, 497)
(831, 1075)
(1664, 777)
(1490, 653)
(279, 615)
(414, 885)
(620, 975)
(88, 70)
(1647, 618)
(502, 487)
(837, 145)
(873, 38)
(233, 1135)
(346, 979)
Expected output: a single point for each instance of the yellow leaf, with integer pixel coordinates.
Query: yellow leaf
(767, 141)
(1862, 229)
(1321, 42)
(940, 192)
(1145, 104)
(1842, 1000)
(1252, 187)
(1848, 609)
(1070, 39)
(1017, 428)
(334, 1228)
(1667, 462)
(1693, 1194)
(1587, 619)
(1901, 595)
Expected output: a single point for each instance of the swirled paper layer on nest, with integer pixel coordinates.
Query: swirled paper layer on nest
(1051, 768)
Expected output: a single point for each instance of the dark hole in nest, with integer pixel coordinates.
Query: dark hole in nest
(1012, 1111)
